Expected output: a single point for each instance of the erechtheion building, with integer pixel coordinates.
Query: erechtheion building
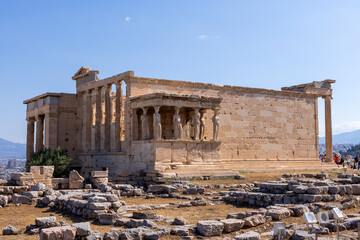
(128, 124)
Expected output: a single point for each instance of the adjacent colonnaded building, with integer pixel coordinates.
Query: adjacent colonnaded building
(127, 124)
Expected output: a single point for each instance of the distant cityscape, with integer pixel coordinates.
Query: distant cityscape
(7, 166)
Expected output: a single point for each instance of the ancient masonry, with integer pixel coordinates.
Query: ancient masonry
(178, 128)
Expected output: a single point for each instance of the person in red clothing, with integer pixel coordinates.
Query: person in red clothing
(337, 160)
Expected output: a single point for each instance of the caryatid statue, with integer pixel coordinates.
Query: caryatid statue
(145, 131)
(202, 124)
(216, 121)
(177, 124)
(157, 123)
(196, 124)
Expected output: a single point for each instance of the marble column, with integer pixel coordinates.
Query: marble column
(202, 124)
(118, 110)
(107, 117)
(30, 138)
(216, 121)
(177, 124)
(145, 130)
(328, 129)
(89, 115)
(39, 133)
(157, 123)
(196, 124)
(98, 120)
(51, 130)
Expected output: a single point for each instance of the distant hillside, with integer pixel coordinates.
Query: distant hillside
(342, 138)
(12, 150)
(336, 148)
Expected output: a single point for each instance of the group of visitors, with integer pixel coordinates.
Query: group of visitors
(345, 161)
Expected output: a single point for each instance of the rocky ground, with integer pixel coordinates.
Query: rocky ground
(243, 208)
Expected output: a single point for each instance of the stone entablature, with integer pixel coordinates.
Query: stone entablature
(53, 115)
(160, 125)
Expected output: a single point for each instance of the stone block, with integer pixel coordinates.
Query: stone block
(254, 220)
(232, 225)
(99, 174)
(210, 228)
(82, 229)
(76, 181)
(21, 199)
(58, 233)
(43, 220)
(251, 235)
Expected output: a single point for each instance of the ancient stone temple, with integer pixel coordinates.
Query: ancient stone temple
(127, 124)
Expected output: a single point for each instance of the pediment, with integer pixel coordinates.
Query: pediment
(82, 72)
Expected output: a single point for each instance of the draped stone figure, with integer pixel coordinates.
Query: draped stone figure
(216, 120)
(202, 124)
(145, 125)
(196, 124)
(157, 124)
(177, 124)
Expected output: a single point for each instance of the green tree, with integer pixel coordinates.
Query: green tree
(57, 158)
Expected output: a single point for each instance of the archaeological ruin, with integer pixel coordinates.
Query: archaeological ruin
(126, 124)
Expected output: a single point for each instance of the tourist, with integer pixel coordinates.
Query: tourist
(356, 162)
(321, 157)
(342, 160)
(337, 160)
(348, 161)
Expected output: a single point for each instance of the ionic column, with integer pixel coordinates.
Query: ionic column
(107, 118)
(51, 131)
(39, 133)
(119, 96)
(328, 129)
(196, 124)
(30, 139)
(157, 123)
(177, 124)
(145, 130)
(88, 114)
(98, 120)
(202, 124)
(216, 121)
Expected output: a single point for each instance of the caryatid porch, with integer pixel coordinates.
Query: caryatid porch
(179, 129)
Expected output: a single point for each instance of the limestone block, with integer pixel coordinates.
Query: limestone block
(59, 233)
(76, 181)
(82, 229)
(232, 225)
(210, 228)
(251, 235)
(42, 221)
(99, 174)
(42, 172)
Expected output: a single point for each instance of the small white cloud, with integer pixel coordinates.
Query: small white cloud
(128, 19)
(216, 36)
(341, 127)
(203, 37)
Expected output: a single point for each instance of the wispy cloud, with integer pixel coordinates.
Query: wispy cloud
(340, 127)
(203, 37)
(128, 19)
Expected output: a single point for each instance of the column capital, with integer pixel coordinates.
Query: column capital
(39, 117)
(327, 97)
(119, 82)
(89, 91)
(30, 119)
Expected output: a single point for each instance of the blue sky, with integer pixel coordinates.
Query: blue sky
(263, 44)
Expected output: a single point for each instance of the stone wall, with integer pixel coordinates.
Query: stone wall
(255, 124)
